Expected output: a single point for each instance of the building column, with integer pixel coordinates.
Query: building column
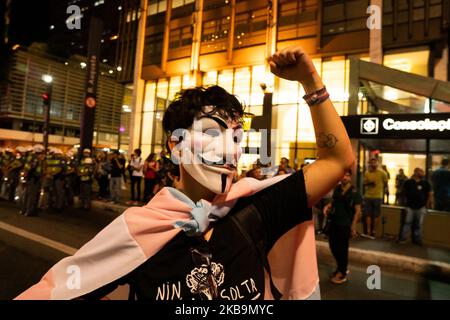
(376, 40)
(138, 82)
(441, 66)
(165, 44)
(231, 33)
(197, 21)
(271, 32)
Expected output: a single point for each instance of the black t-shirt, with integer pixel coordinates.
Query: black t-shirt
(116, 171)
(344, 206)
(416, 193)
(173, 273)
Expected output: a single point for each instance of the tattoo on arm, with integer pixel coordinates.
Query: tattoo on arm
(326, 140)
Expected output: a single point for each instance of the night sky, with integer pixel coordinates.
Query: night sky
(31, 21)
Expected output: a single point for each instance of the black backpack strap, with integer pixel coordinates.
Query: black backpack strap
(249, 223)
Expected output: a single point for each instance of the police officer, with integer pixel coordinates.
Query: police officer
(7, 191)
(33, 172)
(15, 169)
(71, 176)
(85, 172)
(59, 167)
(47, 200)
(25, 154)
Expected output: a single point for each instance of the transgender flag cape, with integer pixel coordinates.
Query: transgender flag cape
(140, 232)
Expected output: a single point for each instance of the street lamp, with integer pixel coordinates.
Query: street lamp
(46, 97)
(47, 78)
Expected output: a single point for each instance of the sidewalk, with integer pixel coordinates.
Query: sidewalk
(425, 260)
(385, 253)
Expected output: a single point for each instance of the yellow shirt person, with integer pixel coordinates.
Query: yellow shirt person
(374, 182)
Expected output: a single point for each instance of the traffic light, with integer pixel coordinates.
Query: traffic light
(46, 98)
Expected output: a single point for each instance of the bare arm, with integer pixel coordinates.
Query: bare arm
(335, 154)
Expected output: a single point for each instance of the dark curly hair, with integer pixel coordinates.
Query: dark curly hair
(189, 103)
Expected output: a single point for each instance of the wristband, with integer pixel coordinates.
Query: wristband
(316, 97)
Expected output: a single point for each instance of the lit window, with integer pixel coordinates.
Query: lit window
(242, 85)
(210, 78)
(413, 61)
(226, 80)
(175, 87)
(149, 102)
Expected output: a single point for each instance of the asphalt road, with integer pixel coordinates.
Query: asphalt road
(29, 246)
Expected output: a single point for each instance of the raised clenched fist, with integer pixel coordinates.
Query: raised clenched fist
(293, 64)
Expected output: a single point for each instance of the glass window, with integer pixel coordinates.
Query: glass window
(180, 37)
(177, 3)
(257, 94)
(215, 30)
(242, 85)
(436, 11)
(215, 33)
(187, 82)
(147, 128)
(210, 78)
(296, 19)
(393, 162)
(305, 124)
(226, 80)
(175, 87)
(248, 26)
(287, 116)
(162, 6)
(214, 4)
(159, 133)
(333, 13)
(149, 101)
(407, 101)
(161, 92)
(341, 16)
(439, 106)
(287, 92)
(157, 6)
(152, 8)
(412, 61)
(153, 49)
(335, 78)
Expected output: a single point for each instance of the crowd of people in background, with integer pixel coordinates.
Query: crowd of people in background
(36, 180)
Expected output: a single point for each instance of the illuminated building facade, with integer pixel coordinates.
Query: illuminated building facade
(21, 104)
(225, 42)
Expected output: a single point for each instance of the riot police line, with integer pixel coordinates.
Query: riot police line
(36, 180)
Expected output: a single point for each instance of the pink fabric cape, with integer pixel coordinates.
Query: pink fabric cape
(140, 232)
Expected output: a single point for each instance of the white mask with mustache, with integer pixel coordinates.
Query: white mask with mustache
(210, 156)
